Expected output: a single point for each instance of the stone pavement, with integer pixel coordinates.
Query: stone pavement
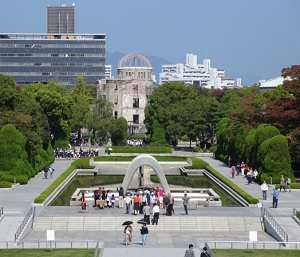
(17, 201)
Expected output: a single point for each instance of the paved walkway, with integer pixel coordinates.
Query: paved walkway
(17, 202)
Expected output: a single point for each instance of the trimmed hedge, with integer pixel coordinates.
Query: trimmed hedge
(5, 184)
(130, 158)
(294, 185)
(82, 163)
(200, 164)
(140, 149)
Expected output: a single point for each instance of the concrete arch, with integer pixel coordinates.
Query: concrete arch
(145, 159)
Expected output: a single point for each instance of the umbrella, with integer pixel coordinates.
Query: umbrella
(127, 222)
(142, 221)
(110, 149)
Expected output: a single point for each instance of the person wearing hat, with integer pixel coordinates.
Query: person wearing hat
(204, 252)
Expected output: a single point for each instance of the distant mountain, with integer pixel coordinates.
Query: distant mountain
(157, 62)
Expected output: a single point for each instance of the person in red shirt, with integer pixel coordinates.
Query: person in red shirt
(136, 204)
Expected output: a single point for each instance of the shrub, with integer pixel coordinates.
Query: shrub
(61, 143)
(185, 138)
(275, 158)
(298, 214)
(196, 149)
(5, 184)
(118, 131)
(159, 135)
(22, 179)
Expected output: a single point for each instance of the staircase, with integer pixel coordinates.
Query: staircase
(165, 223)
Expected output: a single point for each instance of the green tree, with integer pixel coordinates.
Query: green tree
(80, 107)
(167, 106)
(13, 156)
(275, 159)
(100, 118)
(159, 135)
(8, 92)
(118, 131)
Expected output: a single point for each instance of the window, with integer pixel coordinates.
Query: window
(136, 103)
(116, 115)
(135, 87)
(135, 119)
(116, 99)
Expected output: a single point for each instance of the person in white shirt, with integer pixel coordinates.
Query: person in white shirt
(264, 189)
(128, 202)
(155, 214)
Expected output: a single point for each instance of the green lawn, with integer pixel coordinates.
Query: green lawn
(256, 253)
(47, 253)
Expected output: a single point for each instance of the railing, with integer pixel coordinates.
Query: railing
(24, 223)
(209, 250)
(1, 212)
(252, 245)
(96, 251)
(295, 217)
(295, 212)
(231, 192)
(47, 244)
(283, 235)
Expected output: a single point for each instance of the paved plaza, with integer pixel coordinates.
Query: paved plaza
(161, 241)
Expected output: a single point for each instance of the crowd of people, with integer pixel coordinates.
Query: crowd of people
(72, 153)
(244, 170)
(136, 142)
(142, 202)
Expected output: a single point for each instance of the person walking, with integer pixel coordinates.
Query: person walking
(155, 214)
(185, 200)
(146, 211)
(264, 188)
(233, 171)
(144, 233)
(288, 184)
(282, 183)
(121, 196)
(128, 234)
(128, 202)
(189, 252)
(275, 197)
(83, 205)
(204, 252)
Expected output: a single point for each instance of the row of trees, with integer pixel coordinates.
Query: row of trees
(40, 117)
(196, 112)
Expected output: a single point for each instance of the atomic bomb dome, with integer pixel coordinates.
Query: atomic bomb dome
(134, 60)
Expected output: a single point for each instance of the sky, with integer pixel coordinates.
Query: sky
(250, 39)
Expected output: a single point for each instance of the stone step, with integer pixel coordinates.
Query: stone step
(175, 223)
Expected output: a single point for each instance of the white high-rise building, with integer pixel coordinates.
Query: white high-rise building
(192, 73)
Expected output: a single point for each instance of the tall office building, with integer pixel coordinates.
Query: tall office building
(32, 58)
(61, 19)
(59, 55)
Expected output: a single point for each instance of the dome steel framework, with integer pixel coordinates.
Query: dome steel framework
(134, 60)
